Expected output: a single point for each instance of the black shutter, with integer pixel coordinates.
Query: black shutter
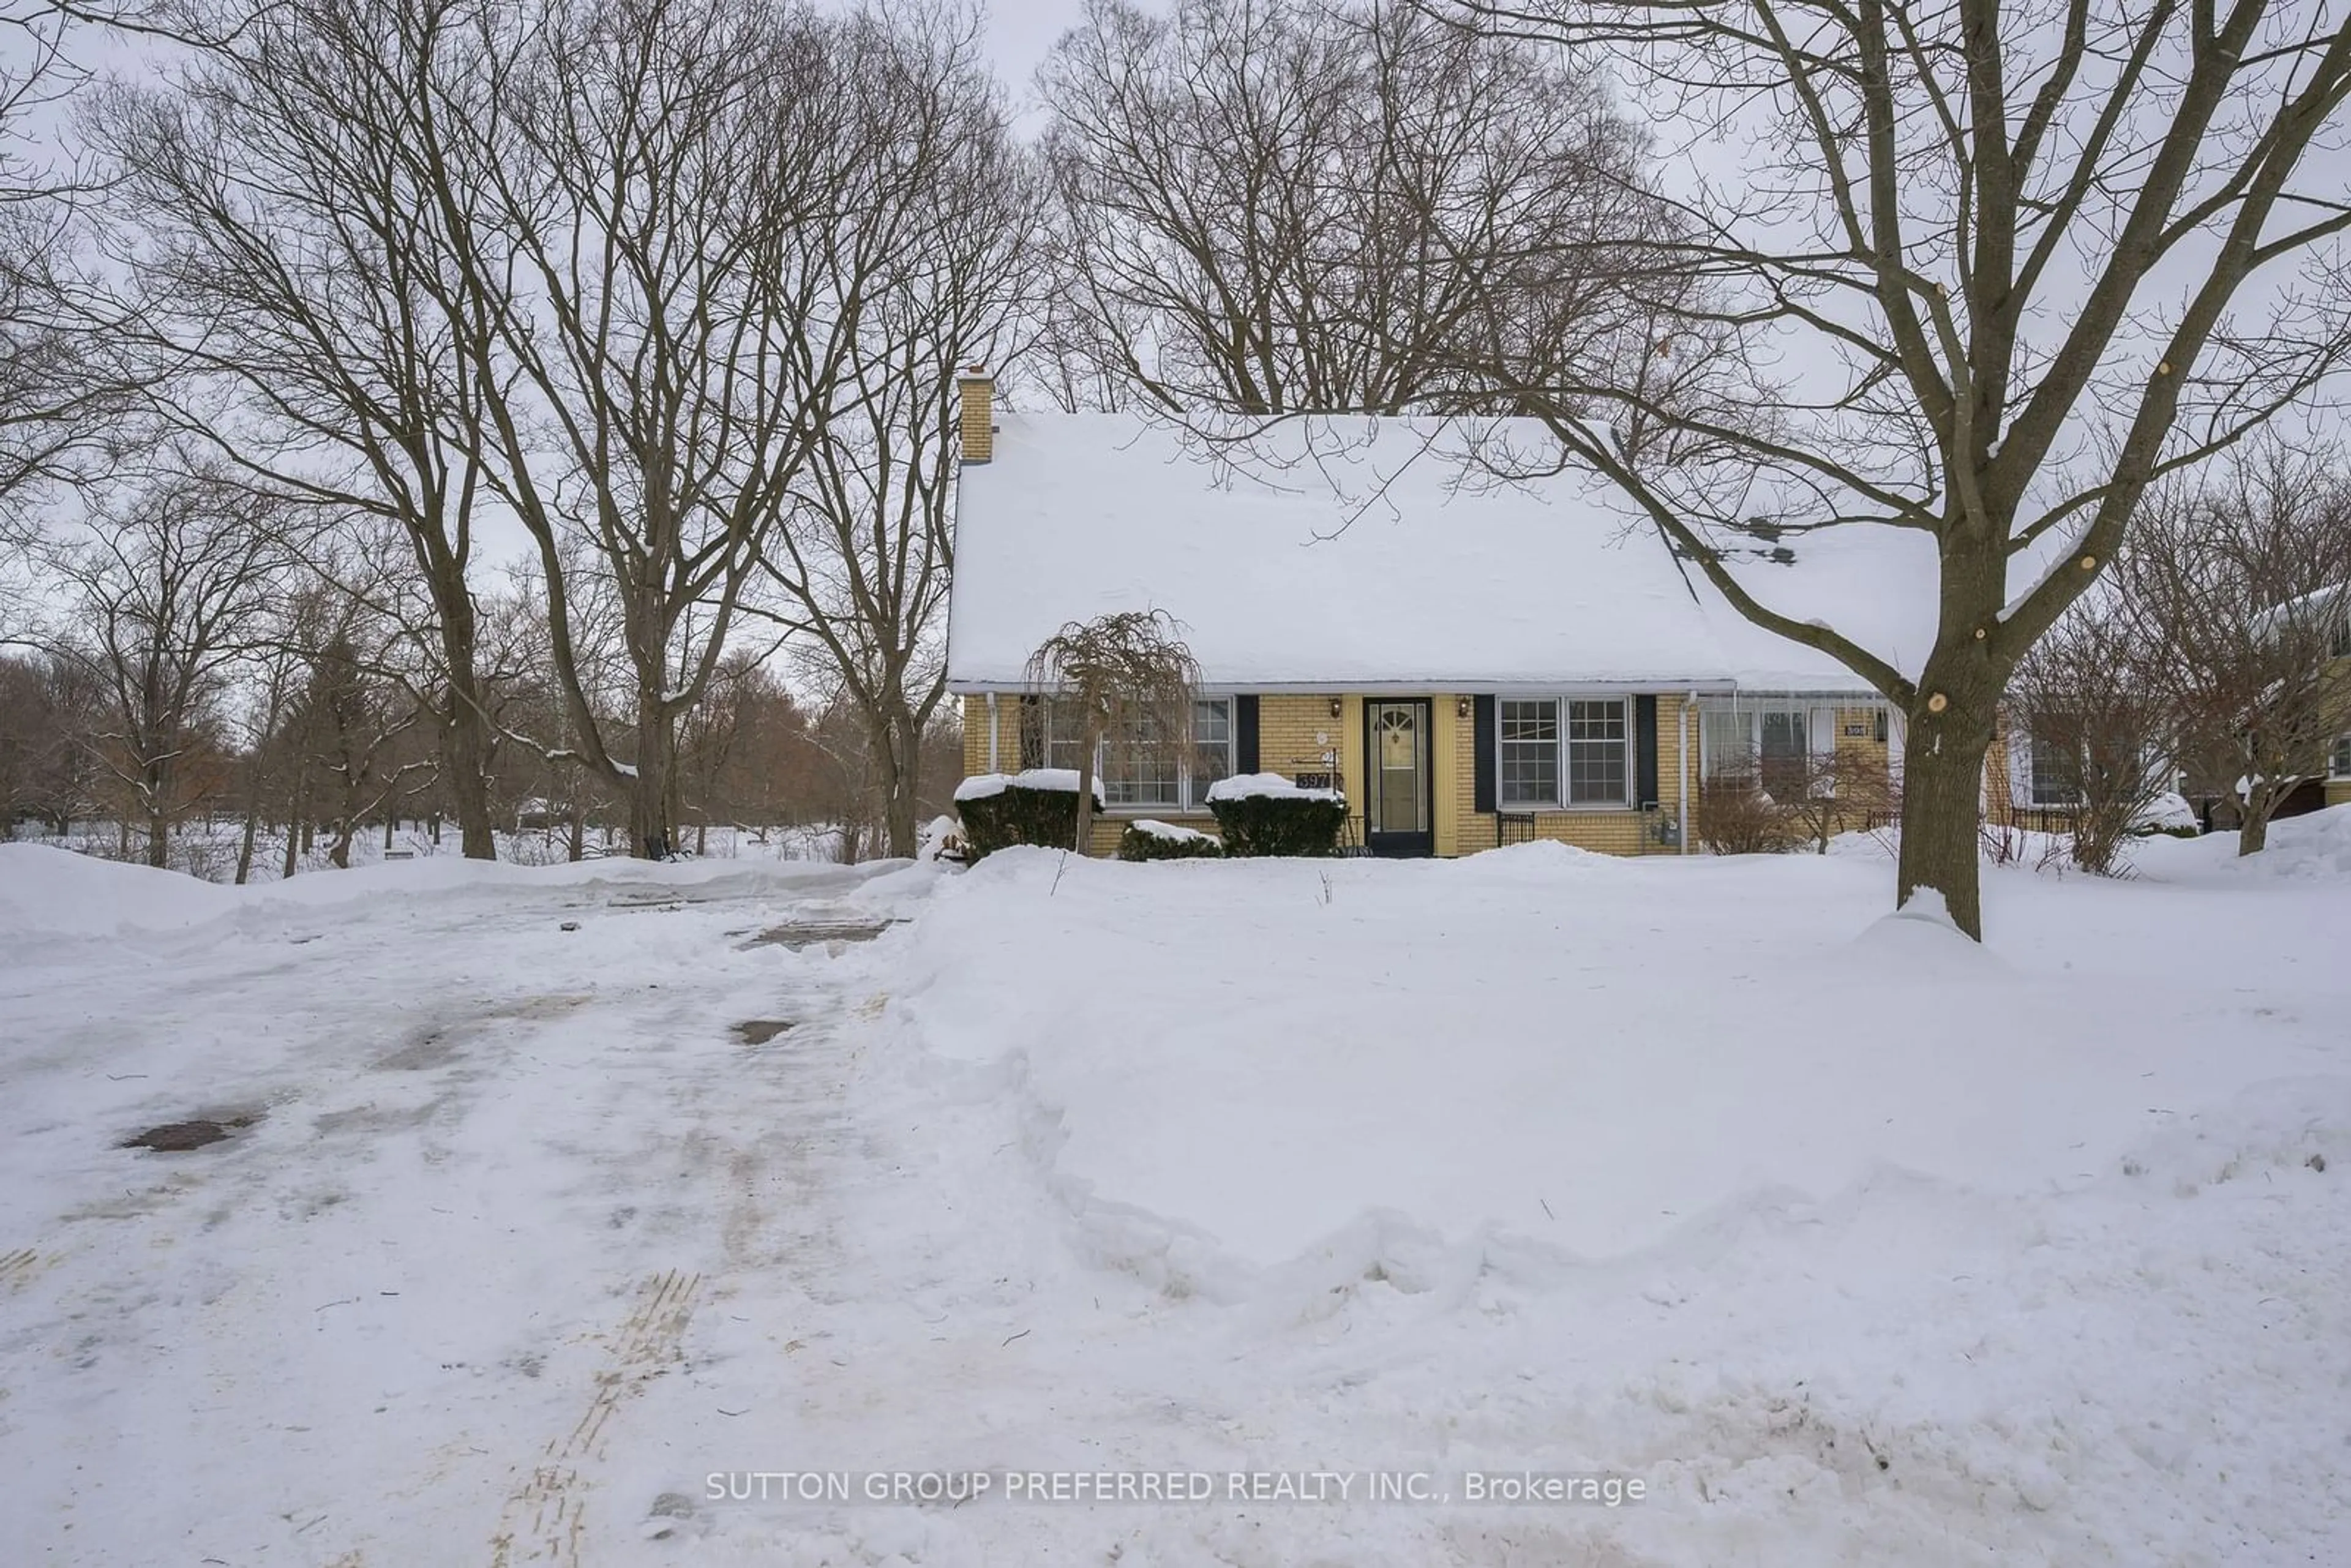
(1482, 772)
(1245, 735)
(1645, 751)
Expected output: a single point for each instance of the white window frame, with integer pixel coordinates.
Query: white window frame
(1557, 746)
(1191, 791)
(1627, 740)
(2338, 757)
(1194, 787)
(1562, 707)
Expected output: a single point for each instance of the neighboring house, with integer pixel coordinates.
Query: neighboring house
(1473, 664)
(2030, 781)
(2333, 788)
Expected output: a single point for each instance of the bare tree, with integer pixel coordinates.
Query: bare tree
(272, 690)
(546, 774)
(935, 243)
(651, 329)
(351, 719)
(63, 387)
(167, 592)
(50, 706)
(1125, 675)
(2242, 585)
(1276, 205)
(288, 195)
(2088, 700)
(1978, 272)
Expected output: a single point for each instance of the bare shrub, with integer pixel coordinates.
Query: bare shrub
(1736, 817)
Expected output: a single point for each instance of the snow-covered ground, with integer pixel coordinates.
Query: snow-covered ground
(208, 849)
(1850, 1242)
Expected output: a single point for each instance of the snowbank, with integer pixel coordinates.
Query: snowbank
(2314, 847)
(1585, 1054)
(53, 893)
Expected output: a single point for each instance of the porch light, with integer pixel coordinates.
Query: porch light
(1334, 706)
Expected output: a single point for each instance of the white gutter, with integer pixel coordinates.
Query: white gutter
(1447, 685)
(992, 767)
(1683, 726)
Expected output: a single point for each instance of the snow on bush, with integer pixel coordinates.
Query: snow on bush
(1266, 786)
(2169, 813)
(1265, 814)
(1151, 839)
(986, 786)
(1034, 805)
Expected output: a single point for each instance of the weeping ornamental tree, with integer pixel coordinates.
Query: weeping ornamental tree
(1981, 271)
(1128, 678)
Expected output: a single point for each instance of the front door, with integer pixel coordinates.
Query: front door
(1396, 815)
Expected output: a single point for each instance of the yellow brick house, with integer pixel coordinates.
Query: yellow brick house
(1473, 662)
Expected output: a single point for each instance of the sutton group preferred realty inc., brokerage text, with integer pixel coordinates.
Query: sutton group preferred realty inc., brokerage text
(1190, 1487)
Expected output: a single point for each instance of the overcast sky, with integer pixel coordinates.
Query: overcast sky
(1018, 34)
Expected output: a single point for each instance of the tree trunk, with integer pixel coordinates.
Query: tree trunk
(466, 755)
(294, 815)
(1086, 793)
(254, 781)
(652, 816)
(158, 840)
(1942, 783)
(2254, 829)
(897, 754)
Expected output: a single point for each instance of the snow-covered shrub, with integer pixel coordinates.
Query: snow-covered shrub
(1153, 840)
(1265, 814)
(2169, 814)
(1039, 806)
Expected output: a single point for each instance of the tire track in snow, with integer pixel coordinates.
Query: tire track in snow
(18, 1266)
(543, 1521)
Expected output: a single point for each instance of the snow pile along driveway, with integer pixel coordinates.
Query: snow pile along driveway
(1861, 1243)
(1572, 1050)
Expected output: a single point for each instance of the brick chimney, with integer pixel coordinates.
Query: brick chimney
(978, 421)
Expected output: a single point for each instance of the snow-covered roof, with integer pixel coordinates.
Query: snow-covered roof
(1358, 554)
